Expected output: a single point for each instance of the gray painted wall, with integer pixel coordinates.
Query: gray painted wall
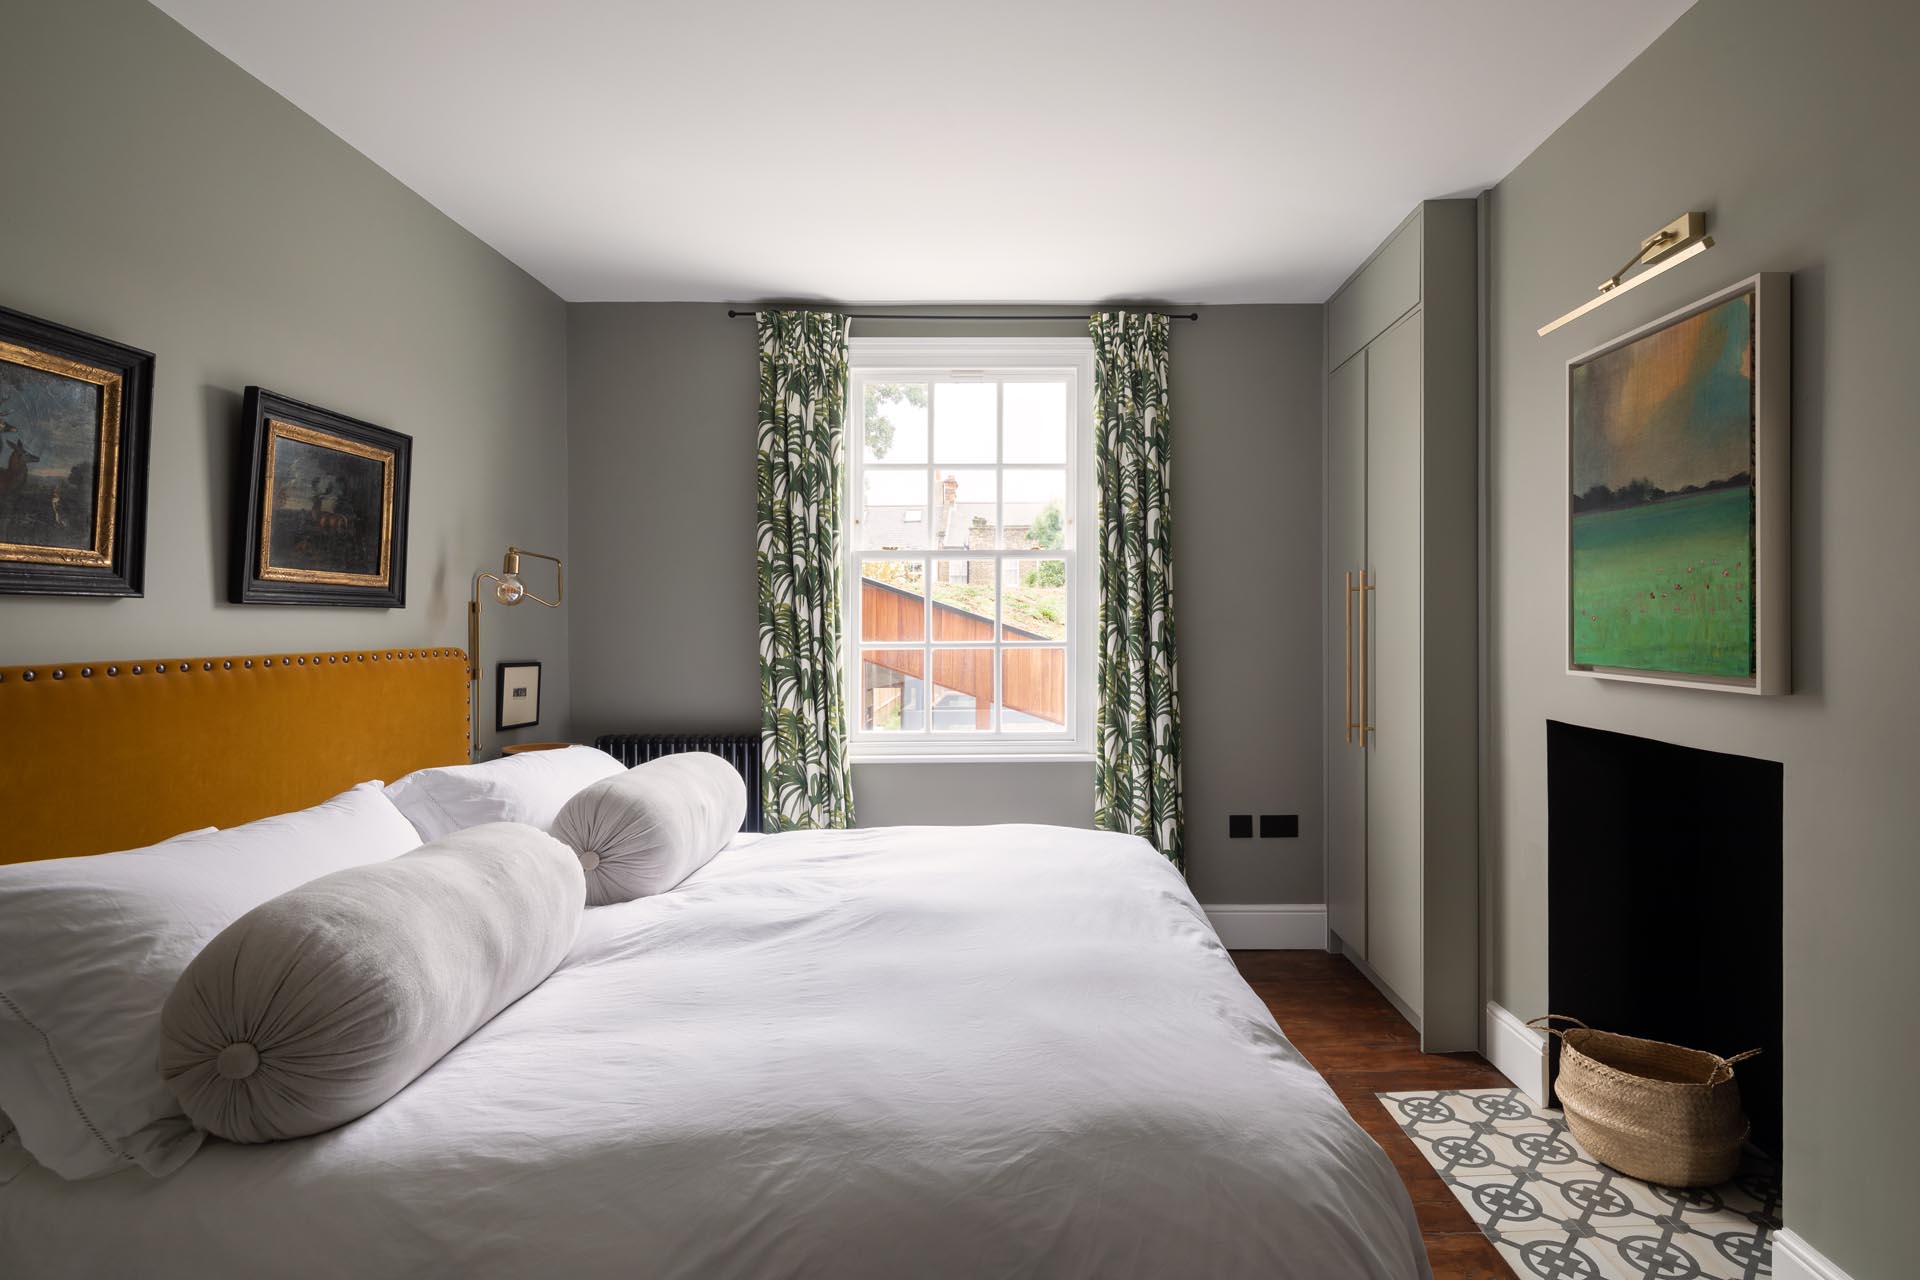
(1791, 126)
(159, 196)
(662, 402)
(1248, 512)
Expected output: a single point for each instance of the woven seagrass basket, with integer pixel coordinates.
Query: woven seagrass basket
(1652, 1110)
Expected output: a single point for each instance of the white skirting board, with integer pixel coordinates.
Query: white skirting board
(1795, 1259)
(1270, 926)
(1516, 1051)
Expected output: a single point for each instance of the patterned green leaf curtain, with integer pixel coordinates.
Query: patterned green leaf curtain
(1137, 755)
(805, 780)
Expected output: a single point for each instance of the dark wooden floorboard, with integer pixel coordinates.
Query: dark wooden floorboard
(1362, 1045)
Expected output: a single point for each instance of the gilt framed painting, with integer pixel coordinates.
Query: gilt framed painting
(1677, 471)
(324, 515)
(75, 413)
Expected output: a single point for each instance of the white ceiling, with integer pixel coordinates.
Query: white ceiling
(886, 150)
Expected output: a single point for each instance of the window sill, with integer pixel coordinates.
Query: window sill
(1050, 757)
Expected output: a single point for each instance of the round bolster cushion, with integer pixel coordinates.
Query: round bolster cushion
(317, 1006)
(644, 831)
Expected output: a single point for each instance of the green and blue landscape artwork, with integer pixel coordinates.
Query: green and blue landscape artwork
(1662, 448)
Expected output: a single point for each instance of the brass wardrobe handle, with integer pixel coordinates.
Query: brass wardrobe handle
(1348, 656)
(1364, 727)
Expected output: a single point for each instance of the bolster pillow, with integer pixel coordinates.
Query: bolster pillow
(644, 831)
(317, 1006)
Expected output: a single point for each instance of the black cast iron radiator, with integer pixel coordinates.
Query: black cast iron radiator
(741, 750)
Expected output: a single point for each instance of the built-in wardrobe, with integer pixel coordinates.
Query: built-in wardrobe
(1402, 610)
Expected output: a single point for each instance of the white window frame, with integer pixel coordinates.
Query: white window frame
(990, 359)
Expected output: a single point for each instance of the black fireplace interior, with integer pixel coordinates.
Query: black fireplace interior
(1663, 899)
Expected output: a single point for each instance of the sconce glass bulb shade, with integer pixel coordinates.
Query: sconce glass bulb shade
(510, 590)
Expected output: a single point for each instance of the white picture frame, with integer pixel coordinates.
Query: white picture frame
(1767, 566)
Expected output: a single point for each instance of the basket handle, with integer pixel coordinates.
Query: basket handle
(1740, 1057)
(1545, 1023)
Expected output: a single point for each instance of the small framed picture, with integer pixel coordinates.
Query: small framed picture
(75, 411)
(517, 696)
(324, 516)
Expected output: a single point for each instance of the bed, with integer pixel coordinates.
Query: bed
(929, 1052)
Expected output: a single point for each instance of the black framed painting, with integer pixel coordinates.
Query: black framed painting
(517, 695)
(75, 414)
(324, 516)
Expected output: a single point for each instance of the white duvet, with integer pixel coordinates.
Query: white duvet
(903, 1052)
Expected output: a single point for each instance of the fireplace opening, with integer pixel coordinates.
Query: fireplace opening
(1664, 900)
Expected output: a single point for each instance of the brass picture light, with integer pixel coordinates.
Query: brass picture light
(1665, 249)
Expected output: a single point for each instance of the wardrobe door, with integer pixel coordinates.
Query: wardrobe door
(1346, 555)
(1391, 640)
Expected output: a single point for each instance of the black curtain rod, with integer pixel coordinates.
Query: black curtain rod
(948, 315)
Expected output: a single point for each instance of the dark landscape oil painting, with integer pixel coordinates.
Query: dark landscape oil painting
(1661, 453)
(325, 513)
(328, 507)
(75, 415)
(50, 428)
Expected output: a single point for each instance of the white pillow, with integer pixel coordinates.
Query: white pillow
(14, 1157)
(530, 787)
(91, 947)
(316, 1007)
(644, 831)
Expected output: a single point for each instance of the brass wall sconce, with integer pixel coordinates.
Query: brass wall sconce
(1685, 237)
(508, 590)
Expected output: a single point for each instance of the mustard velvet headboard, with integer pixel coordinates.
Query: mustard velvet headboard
(99, 756)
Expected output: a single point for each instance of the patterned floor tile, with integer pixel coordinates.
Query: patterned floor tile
(1555, 1213)
(1520, 1201)
(1552, 1255)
